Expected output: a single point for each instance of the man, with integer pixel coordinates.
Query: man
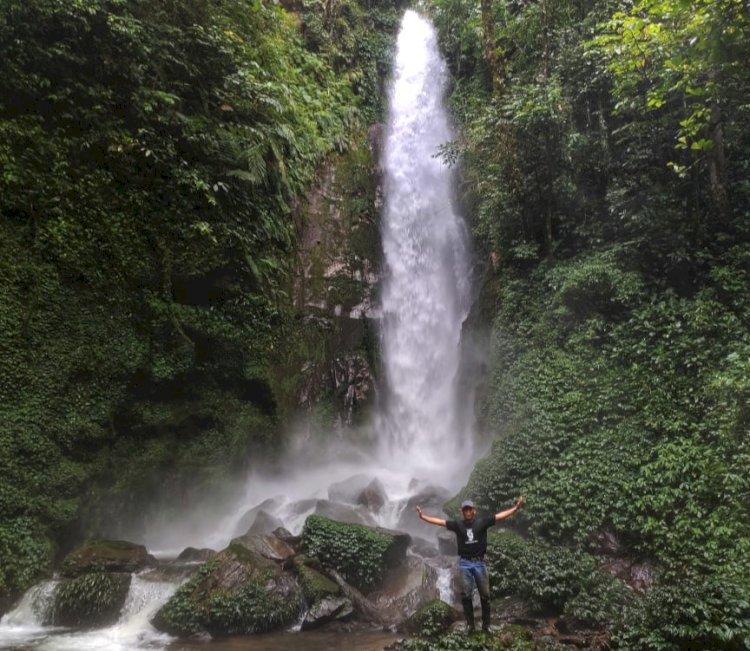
(471, 534)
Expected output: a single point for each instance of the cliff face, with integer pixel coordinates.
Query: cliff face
(336, 276)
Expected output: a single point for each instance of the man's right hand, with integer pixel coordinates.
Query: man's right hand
(419, 511)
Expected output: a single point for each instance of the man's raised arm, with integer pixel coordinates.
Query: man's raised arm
(504, 514)
(429, 519)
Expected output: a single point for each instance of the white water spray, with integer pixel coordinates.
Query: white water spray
(427, 286)
(424, 433)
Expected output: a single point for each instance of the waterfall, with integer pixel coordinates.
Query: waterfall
(423, 433)
(426, 287)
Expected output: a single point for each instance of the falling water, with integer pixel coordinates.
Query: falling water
(426, 289)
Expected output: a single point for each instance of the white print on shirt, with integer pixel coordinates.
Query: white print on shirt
(470, 535)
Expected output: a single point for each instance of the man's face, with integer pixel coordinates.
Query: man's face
(468, 513)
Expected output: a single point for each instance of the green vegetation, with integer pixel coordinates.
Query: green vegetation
(512, 638)
(357, 552)
(315, 585)
(605, 158)
(236, 593)
(91, 600)
(152, 156)
(554, 579)
(431, 620)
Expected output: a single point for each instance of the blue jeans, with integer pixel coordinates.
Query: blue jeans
(474, 572)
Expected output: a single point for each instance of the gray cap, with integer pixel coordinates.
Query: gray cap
(467, 504)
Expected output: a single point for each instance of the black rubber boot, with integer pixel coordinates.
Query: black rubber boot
(485, 614)
(468, 613)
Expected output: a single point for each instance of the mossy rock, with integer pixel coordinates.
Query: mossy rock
(432, 619)
(93, 600)
(360, 554)
(315, 585)
(236, 593)
(106, 555)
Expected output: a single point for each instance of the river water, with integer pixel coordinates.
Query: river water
(425, 438)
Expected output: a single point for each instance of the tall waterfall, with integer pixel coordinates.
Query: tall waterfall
(426, 287)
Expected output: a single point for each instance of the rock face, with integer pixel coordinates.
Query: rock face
(193, 555)
(108, 556)
(238, 592)
(326, 603)
(269, 547)
(358, 553)
(249, 517)
(363, 490)
(335, 279)
(265, 523)
(351, 513)
(92, 600)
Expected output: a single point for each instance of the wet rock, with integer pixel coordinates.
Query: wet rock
(327, 610)
(424, 548)
(638, 575)
(238, 592)
(373, 497)
(94, 599)
(447, 544)
(406, 589)
(364, 490)
(641, 576)
(315, 585)
(287, 536)
(431, 499)
(171, 572)
(248, 518)
(193, 555)
(106, 555)
(267, 546)
(264, 523)
(608, 544)
(343, 513)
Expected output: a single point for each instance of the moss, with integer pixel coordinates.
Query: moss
(315, 585)
(112, 555)
(94, 599)
(432, 619)
(234, 594)
(358, 553)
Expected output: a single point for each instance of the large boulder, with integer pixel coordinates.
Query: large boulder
(327, 610)
(107, 556)
(193, 555)
(431, 499)
(94, 599)
(344, 513)
(405, 589)
(360, 554)
(248, 518)
(323, 595)
(269, 547)
(238, 592)
(265, 523)
(362, 490)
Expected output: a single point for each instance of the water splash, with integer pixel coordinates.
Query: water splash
(426, 293)
(424, 435)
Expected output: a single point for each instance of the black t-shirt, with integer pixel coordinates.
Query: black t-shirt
(471, 537)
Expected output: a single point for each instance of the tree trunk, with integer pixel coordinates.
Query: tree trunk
(495, 63)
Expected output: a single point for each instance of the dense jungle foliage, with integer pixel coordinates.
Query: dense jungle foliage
(151, 154)
(605, 156)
